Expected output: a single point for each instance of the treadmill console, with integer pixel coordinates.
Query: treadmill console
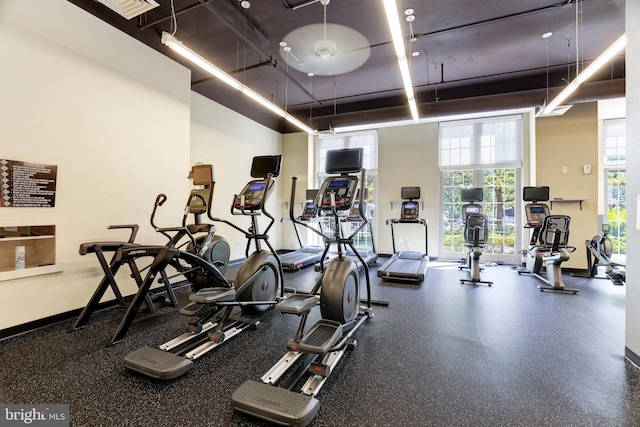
(409, 211)
(536, 212)
(342, 187)
(310, 211)
(252, 194)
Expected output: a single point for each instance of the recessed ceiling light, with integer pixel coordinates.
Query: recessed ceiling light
(410, 18)
(283, 44)
(245, 4)
(310, 74)
(415, 53)
(408, 11)
(547, 35)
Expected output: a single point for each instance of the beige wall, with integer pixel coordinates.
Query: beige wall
(408, 156)
(569, 142)
(632, 56)
(122, 125)
(295, 151)
(229, 141)
(119, 135)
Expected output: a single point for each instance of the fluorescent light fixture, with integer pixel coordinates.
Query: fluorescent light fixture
(393, 19)
(174, 44)
(369, 126)
(601, 60)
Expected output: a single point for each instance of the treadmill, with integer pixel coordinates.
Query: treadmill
(306, 255)
(407, 266)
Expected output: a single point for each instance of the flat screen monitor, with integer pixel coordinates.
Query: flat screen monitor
(471, 194)
(264, 165)
(311, 194)
(535, 194)
(346, 160)
(202, 174)
(410, 193)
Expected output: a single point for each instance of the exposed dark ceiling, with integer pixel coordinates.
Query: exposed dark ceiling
(473, 55)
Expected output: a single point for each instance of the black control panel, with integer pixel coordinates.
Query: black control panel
(310, 211)
(535, 213)
(343, 189)
(471, 209)
(250, 198)
(409, 211)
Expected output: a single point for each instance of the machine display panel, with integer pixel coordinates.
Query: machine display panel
(410, 206)
(537, 210)
(259, 186)
(342, 183)
(472, 210)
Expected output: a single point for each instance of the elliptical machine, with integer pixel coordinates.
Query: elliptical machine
(316, 352)
(475, 232)
(549, 240)
(254, 290)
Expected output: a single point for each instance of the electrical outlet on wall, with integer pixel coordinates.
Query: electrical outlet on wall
(586, 169)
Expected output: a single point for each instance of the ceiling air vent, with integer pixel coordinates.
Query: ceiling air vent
(129, 8)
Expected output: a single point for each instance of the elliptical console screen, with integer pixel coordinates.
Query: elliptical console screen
(343, 189)
(252, 193)
(339, 184)
(257, 187)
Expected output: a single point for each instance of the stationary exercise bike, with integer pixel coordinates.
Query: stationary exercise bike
(549, 241)
(475, 232)
(315, 353)
(599, 250)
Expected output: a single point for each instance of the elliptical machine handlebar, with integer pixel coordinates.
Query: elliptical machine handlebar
(333, 207)
(134, 230)
(160, 199)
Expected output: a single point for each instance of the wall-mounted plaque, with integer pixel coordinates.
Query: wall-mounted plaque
(25, 184)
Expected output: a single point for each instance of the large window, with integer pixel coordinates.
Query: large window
(487, 154)
(615, 172)
(369, 143)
